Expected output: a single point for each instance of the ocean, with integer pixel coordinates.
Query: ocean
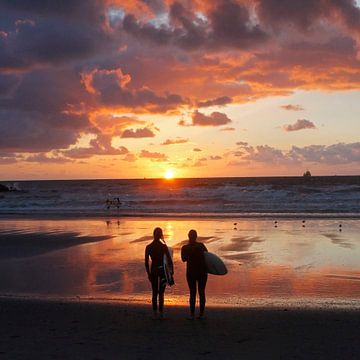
(258, 196)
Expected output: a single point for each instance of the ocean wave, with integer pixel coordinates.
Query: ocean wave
(234, 195)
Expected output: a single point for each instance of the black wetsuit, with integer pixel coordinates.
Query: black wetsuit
(196, 272)
(156, 251)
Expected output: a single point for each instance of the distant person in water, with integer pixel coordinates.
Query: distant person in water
(156, 251)
(196, 271)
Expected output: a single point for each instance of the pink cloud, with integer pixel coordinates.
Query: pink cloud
(130, 157)
(215, 157)
(43, 158)
(154, 156)
(291, 107)
(101, 145)
(335, 154)
(175, 141)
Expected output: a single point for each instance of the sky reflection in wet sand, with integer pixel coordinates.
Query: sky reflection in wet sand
(315, 261)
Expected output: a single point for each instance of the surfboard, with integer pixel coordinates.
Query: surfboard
(168, 276)
(214, 264)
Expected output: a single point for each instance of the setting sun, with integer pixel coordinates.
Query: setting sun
(169, 174)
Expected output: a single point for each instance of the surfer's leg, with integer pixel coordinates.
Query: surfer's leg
(155, 286)
(201, 288)
(191, 280)
(162, 286)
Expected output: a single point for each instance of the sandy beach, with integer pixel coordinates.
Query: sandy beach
(70, 330)
(76, 289)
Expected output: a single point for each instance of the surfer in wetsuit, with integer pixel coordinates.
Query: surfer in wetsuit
(156, 274)
(196, 271)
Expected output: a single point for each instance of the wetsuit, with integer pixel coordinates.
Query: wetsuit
(196, 272)
(156, 251)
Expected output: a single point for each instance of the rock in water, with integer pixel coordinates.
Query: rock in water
(3, 188)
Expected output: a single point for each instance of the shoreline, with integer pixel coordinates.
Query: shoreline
(248, 303)
(63, 330)
(185, 215)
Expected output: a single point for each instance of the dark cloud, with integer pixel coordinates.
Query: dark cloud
(85, 10)
(232, 26)
(36, 132)
(8, 84)
(277, 12)
(308, 13)
(220, 101)
(138, 133)
(291, 107)
(229, 24)
(228, 129)
(45, 37)
(197, 150)
(214, 119)
(300, 125)
(175, 141)
(112, 88)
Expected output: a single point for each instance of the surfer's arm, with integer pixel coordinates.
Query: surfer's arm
(147, 267)
(184, 254)
(169, 260)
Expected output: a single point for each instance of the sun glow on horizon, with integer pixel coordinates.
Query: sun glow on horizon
(169, 174)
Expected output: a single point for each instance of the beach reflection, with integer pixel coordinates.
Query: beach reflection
(103, 259)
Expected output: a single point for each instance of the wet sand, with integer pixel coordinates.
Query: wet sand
(80, 330)
(269, 264)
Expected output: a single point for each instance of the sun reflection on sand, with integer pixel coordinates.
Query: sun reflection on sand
(263, 261)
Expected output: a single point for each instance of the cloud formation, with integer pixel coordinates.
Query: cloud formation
(101, 145)
(214, 119)
(220, 101)
(138, 133)
(154, 156)
(175, 141)
(112, 88)
(291, 107)
(96, 68)
(300, 124)
(335, 154)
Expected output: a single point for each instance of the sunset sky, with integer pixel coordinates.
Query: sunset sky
(132, 89)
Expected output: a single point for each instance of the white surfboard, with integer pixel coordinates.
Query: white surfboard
(214, 264)
(167, 269)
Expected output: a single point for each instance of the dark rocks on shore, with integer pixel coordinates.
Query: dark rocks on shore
(3, 188)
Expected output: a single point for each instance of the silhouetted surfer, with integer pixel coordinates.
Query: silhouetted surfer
(156, 251)
(196, 271)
